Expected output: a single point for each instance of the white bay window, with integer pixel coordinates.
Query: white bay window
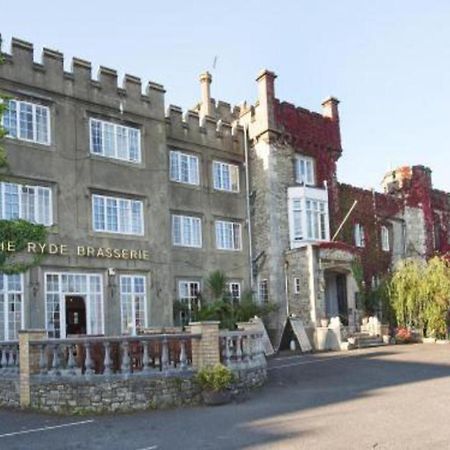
(308, 215)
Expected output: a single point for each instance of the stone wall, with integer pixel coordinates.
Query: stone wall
(113, 394)
(117, 393)
(9, 391)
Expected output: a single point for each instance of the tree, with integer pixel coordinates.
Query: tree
(420, 295)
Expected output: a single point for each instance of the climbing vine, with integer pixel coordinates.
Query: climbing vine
(16, 232)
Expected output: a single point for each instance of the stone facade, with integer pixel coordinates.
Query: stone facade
(265, 141)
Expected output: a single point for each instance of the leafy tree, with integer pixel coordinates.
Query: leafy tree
(420, 295)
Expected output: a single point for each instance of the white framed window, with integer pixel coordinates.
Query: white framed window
(308, 215)
(117, 215)
(133, 303)
(226, 176)
(59, 286)
(186, 231)
(304, 170)
(359, 235)
(296, 285)
(31, 203)
(385, 246)
(184, 168)
(234, 288)
(112, 140)
(263, 291)
(228, 235)
(188, 293)
(11, 306)
(27, 121)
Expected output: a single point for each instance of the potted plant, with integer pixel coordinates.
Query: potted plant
(215, 382)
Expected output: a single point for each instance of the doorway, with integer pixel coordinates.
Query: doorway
(75, 315)
(336, 296)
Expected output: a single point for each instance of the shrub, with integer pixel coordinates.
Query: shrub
(215, 378)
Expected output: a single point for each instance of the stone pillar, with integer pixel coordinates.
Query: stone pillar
(205, 351)
(28, 362)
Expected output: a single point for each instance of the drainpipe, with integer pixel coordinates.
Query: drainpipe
(286, 287)
(249, 221)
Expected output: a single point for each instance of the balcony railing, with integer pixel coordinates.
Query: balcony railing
(242, 350)
(9, 358)
(126, 355)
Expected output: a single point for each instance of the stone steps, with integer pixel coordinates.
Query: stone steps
(364, 340)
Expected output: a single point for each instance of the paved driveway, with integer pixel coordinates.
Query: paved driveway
(385, 398)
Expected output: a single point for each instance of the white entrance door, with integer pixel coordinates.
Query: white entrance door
(58, 286)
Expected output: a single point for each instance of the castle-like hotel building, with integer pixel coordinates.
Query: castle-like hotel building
(142, 204)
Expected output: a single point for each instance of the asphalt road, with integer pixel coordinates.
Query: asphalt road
(387, 398)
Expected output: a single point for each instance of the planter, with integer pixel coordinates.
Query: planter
(386, 339)
(429, 340)
(216, 398)
(324, 323)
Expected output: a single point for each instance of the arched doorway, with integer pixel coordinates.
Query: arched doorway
(75, 315)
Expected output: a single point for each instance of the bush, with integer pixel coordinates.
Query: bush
(215, 378)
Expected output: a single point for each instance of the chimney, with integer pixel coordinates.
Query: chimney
(266, 97)
(330, 108)
(205, 86)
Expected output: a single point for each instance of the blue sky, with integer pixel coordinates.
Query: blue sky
(388, 61)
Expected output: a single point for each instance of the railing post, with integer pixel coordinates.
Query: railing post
(107, 360)
(55, 360)
(70, 360)
(4, 360)
(125, 366)
(183, 357)
(165, 355)
(28, 362)
(145, 358)
(205, 351)
(88, 364)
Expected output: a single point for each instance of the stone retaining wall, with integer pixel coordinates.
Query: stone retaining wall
(9, 391)
(113, 394)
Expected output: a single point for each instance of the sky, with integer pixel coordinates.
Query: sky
(387, 61)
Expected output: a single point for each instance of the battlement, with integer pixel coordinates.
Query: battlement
(49, 75)
(216, 132)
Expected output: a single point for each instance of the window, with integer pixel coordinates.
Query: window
(117, 215)
(360, 239)
(234, 288)
(31, 203)
(189, 297)
(316, 220)
(308, 215)
(115, 141)
(263, 291)
(304, 170)
(27, 121)
(58, 286)
(296, 285)
(11, 306)
(184, 168)
(133, 305)
(228, 235)
(385, 238)
(226, 176)
(186, 231)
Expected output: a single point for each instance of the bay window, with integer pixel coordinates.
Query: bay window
(308, 215)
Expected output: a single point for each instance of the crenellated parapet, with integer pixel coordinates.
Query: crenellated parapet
(49, 77)
(215, 132)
